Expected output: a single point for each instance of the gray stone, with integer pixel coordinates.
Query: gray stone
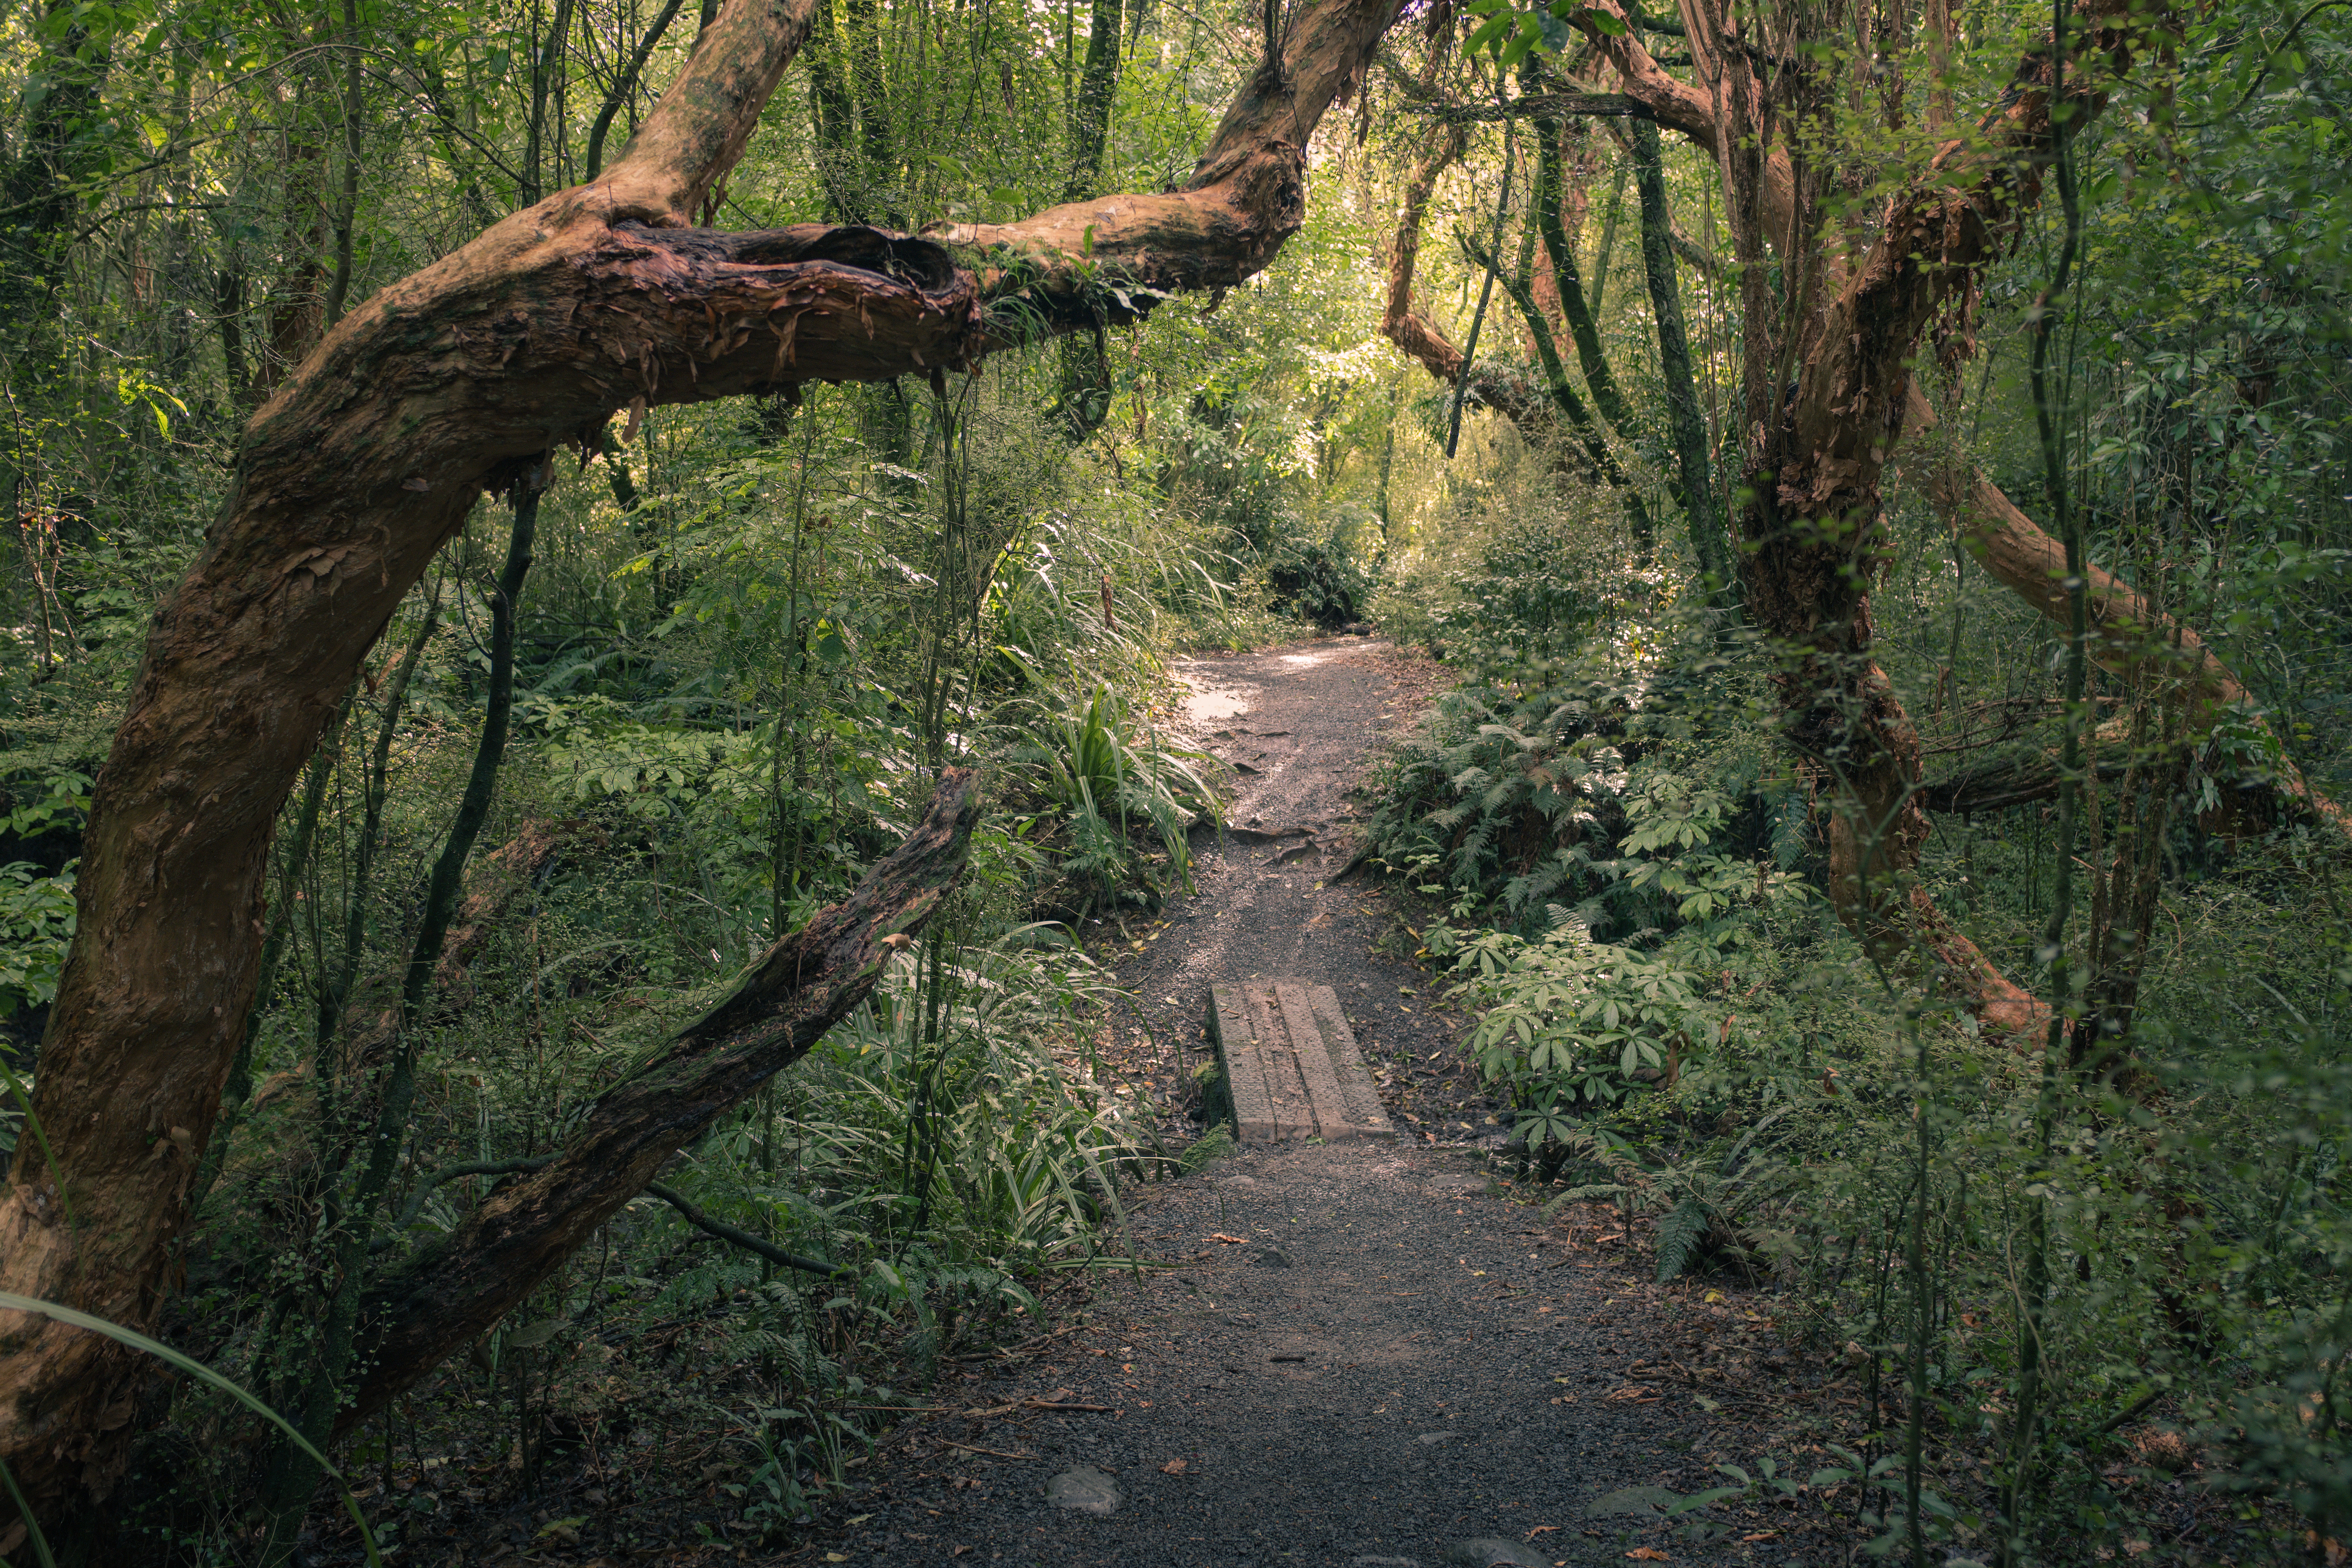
(1270, 1258)
(1085, 1489)
(1433, 1437)
(1641, 1500)
(1493, 1551)
(1387, 1562)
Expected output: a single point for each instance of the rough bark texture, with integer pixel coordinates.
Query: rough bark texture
(2013, 548)
(365, 460)
(1816, 535)
(461, 1284)
(1814, 541)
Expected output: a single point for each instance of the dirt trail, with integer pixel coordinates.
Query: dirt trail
(1297, 725)
(1368, 1354)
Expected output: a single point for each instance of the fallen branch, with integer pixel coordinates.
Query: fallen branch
(458, 1285)
(974, 1447)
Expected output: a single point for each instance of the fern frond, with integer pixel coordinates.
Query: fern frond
(1681, 1239)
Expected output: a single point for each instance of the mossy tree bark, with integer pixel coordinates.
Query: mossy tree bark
(2128, 631)
(1695, 491)
(1825, 394)
(599, 299)
(1086, 388)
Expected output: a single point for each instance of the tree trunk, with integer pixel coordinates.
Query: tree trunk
(57, 147)
(2129, 635)
(365, 461)
(1601, 465)
(1815, 458)
(1574, 303)
(1085, 387)
(459, 1285)
(2126, 629)
(1516, 398)
(625, 88)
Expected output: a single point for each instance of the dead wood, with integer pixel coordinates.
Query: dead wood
(462, 1284)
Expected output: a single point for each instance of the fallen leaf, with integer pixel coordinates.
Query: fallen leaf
(1172, 1468)
(1761, 1535)
(1648, 1554)
(1541, 1530)
(1229, 1240)
(837, 1557)
(860, 1519)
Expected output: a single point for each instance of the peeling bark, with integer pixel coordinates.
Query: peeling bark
(366, 458)
(1816, 537)
(2012, 547)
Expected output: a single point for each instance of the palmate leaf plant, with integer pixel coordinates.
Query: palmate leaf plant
(1633, 798)
(1568, 1023)
(36, 924)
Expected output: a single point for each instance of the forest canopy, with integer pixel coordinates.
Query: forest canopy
(589, 670)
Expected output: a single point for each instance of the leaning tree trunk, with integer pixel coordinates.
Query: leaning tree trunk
(2127, 630)
(457, 1287)
(1813, 524)
(599, 299)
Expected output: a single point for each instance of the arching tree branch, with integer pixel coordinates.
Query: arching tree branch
(363, 462)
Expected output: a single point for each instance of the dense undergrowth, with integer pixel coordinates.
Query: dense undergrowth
(730, 700)
(1627, 877)
(2063, 1272)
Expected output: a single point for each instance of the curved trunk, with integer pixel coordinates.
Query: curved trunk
(1815, 530)
(457, 1287)
(366, 460)
(2127, 630)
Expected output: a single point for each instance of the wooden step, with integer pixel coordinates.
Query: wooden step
(1292, 1063)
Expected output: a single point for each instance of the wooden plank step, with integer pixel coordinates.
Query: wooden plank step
(1292, 1063)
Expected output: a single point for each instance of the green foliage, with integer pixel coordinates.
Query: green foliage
(1567, 1020)
(1317, 580)
(1108, 776)
(36, 926)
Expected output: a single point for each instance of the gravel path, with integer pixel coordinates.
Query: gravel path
(1298, 725)
(1373, 1353)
